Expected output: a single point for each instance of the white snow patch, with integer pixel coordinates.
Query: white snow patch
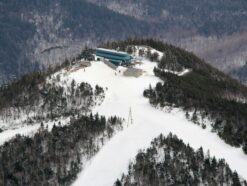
(125, 92)
(9, 134)
(185, 71)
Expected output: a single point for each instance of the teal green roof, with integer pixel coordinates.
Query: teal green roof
(113, 56)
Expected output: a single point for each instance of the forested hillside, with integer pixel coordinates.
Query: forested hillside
(170, 162)
(203, 91)
(240, 73)
(55, 157)
(45, 95)
(204, 17)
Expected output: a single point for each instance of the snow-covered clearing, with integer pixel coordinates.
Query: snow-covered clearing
(26, 130)
(124, 93)
(29, 129)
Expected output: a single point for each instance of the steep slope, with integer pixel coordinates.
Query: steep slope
(204, 90)
(126, 92)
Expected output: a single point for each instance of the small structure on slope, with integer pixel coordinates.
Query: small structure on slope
(115, 57)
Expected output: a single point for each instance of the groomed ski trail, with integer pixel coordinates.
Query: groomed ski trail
(125, 92)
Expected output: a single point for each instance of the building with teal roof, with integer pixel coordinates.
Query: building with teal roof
(116, 57)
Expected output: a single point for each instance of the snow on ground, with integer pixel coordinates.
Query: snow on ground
(181, 73)
(29, 129)
(124, 93)
(11, 123)
(8, 134)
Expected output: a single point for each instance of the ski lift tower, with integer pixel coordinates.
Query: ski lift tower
(130, 118)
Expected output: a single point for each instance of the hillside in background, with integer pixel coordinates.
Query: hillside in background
(34, 35)
(214, 30)
(214, 18)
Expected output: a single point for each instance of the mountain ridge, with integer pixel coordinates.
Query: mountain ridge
(27, 28)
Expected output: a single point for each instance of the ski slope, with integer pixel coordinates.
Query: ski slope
(123, 93)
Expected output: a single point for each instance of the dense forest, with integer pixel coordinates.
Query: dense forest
(204, 90)
(54, 157)
(50, 101)
(170, 162)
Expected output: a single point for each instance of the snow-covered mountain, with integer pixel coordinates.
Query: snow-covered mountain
(112, 93)
(35, 35)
